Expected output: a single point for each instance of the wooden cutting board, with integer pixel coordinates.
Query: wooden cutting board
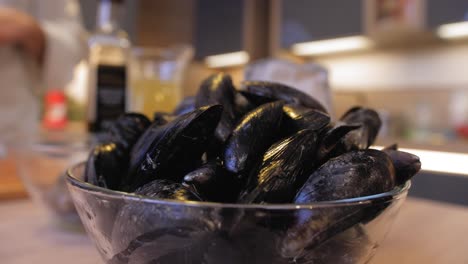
(11, 186)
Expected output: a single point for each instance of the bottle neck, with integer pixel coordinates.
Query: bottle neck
(109, 14)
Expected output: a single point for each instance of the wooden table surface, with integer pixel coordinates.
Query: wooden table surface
(424, 232)
(10, 185)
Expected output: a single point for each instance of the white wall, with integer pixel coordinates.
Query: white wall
(429, 68)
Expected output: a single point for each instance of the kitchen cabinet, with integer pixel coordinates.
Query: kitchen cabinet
(305, 20)
(447, 11)
(89, 9)
(218, 27)
(225, 26)
(164, 23)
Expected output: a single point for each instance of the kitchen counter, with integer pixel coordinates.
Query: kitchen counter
(26, 236)
(424, 232)
(456, 146)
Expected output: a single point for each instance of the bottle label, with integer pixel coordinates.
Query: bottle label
(110, 95)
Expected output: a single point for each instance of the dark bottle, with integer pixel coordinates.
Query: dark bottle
(108, 62)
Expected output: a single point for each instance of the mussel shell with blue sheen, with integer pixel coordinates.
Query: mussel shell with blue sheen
(285, 167)
(162, 118)
(299, 117)
(213, 182)
(353, 174)
(331, 141)
(107, 165)
(173, 150)
(271, 91)
(185, 106)
(128, 128)
(406, 164)
(254, 134)
(365, 136)
(218, 89)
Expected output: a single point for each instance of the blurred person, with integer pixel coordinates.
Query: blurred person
(40, 43)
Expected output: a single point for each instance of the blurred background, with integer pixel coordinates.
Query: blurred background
(408, 59)
(405, 58)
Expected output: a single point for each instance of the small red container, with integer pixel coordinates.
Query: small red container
(55, 114)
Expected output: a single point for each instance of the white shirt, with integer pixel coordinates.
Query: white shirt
(22, 82)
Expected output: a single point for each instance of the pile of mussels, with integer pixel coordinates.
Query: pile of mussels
(264, 143)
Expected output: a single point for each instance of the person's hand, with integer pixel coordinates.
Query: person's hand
(20, 29)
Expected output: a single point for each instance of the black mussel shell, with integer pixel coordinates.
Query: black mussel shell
(166, 189)
(187, 105)
(218, 89)
(393, 146)
(165, 245)
(107, 165)
(370, 123)
(254, 134)
(278, 91)
(331, 138)
(154, 233)
(214, 150)
(128, 128)
(406, 164)
(353, 174)
(242, 105)
(256, 100)
(162, 118)
(249, 244)
(213, 182)
(285, 167)
(299, 117)
(173, 150)
(268, 143)
(348, 247)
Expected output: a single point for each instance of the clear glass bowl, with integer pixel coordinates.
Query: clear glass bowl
(42, 166)
(128, 228)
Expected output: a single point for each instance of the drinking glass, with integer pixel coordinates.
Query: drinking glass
(156, 78)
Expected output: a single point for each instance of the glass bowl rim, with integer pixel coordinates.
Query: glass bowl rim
(396, 193)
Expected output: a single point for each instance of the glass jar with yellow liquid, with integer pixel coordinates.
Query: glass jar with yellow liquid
(156, 78)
